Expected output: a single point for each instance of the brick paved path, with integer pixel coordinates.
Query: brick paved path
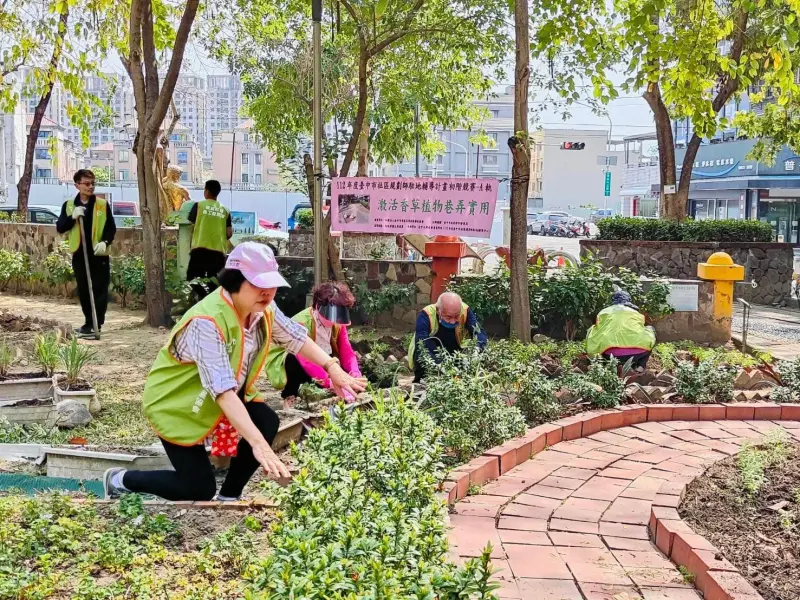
(571, 523)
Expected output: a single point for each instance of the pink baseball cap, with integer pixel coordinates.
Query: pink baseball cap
(258, 265)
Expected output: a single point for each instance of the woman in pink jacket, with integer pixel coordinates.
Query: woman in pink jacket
(326, 322)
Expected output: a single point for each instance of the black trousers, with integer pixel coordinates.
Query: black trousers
(637, 360)
(295, 376)
(204, 264)
(100, 271)
(193, 477)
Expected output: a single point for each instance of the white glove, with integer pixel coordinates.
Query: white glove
(101, 249)
(78, 211)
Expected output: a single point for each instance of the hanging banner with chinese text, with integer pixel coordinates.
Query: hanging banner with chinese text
(398, 205)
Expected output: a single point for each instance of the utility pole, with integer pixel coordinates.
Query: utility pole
(316, 16)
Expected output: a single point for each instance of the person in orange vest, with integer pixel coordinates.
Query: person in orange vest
(99, 231)
(442, 327)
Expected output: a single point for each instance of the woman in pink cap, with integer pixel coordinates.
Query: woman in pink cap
(202, 385)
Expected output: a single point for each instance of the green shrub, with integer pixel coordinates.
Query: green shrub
(465, 399)
(46, 352)
(384, 298)
(58, 267)
(75, 357)
(727, 230)
(128, 277)
(8, 356)
(487, 295)
(304, 218)
(361, 518)
(536, 399)
(601, 385)
(789, 371)
(12, 266)
(567, 298)
(704, 382)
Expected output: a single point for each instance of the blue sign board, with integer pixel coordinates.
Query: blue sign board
(607, 190)
(244, 223)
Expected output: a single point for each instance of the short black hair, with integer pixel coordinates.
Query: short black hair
(81, 173)
(230, 280)
(213, 187)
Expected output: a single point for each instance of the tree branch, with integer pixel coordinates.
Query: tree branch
(731, 84)
(402, 32)
(179, 48)
(149, 56)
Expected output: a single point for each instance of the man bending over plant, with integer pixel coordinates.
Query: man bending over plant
(442, 327)
(620, 332)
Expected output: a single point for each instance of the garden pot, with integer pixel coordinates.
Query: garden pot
(29, 412)
(87, 398)
(90, 462)
(26, 388)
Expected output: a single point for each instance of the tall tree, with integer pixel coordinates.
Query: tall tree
(149, 29)
(50, 44)
(520, 176)
(688, 59)
(380, 59)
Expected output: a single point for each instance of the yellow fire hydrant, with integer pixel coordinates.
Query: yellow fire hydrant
(721, 269)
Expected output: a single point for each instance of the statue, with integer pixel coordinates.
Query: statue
(176, 194)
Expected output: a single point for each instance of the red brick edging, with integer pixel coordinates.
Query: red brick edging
(716, 578)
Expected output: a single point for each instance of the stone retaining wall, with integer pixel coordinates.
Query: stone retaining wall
(376, 273)
(769, 265)
(355, 245)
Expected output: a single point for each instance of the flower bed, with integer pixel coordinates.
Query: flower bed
(749, 508)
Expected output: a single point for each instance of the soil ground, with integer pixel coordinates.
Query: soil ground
(759, 535)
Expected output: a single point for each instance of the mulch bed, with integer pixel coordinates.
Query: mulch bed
(759, 535)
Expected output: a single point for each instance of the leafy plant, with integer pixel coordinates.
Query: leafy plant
(75, 357)
(385, 298)
(704, 382)
(46, 351)
(384, 251)
(311, 392)
(464, 398)
(725, 230)
(128, 277)
(380, 372)
(789, 371)
(687, 575)
(304, 218)
(361, 518)
(12, 266)
(58, 267)
(605, 373)
(128, 222)
(8, 357)
(536, 399)
(756, 457)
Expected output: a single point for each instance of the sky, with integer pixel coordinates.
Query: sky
(628, 115)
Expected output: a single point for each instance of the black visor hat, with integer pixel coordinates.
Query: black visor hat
(336, 314)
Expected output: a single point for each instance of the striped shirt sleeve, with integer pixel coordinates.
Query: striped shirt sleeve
(201, 343)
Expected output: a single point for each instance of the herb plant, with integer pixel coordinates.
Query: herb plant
(46, 352)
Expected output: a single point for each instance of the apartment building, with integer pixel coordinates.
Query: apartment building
(55, 157)
(240, 159)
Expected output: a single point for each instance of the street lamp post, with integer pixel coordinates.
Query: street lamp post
(466, 153)
(316, 16)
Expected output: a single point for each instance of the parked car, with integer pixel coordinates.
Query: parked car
(291, 222)
(600, 214)
(545, 221)
(43, 215)
(531, 220)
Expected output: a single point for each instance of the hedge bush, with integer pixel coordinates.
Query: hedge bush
(665, 230)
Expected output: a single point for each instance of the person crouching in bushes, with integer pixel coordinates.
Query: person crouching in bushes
(327, 321)
(202, 386)
(620, 332)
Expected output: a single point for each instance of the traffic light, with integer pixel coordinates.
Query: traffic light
(572, 145)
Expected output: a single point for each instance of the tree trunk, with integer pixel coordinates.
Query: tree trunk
(363, 151)
(24, 183)
(332, 268)
(520, 175)
(673, 206)
(361, 113)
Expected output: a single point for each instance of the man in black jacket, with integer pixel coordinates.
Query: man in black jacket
(98, 231)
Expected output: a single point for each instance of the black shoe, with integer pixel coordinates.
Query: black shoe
(85, 330)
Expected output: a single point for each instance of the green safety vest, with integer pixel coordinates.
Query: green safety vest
(98, 224)
(433, 317)
(619, 326)
(211, 226)
(175, 402)
(276, 359)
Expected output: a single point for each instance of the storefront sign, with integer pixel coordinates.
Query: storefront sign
(430, 206)
(683, 297)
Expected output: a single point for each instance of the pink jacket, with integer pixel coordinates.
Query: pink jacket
(346, 356)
